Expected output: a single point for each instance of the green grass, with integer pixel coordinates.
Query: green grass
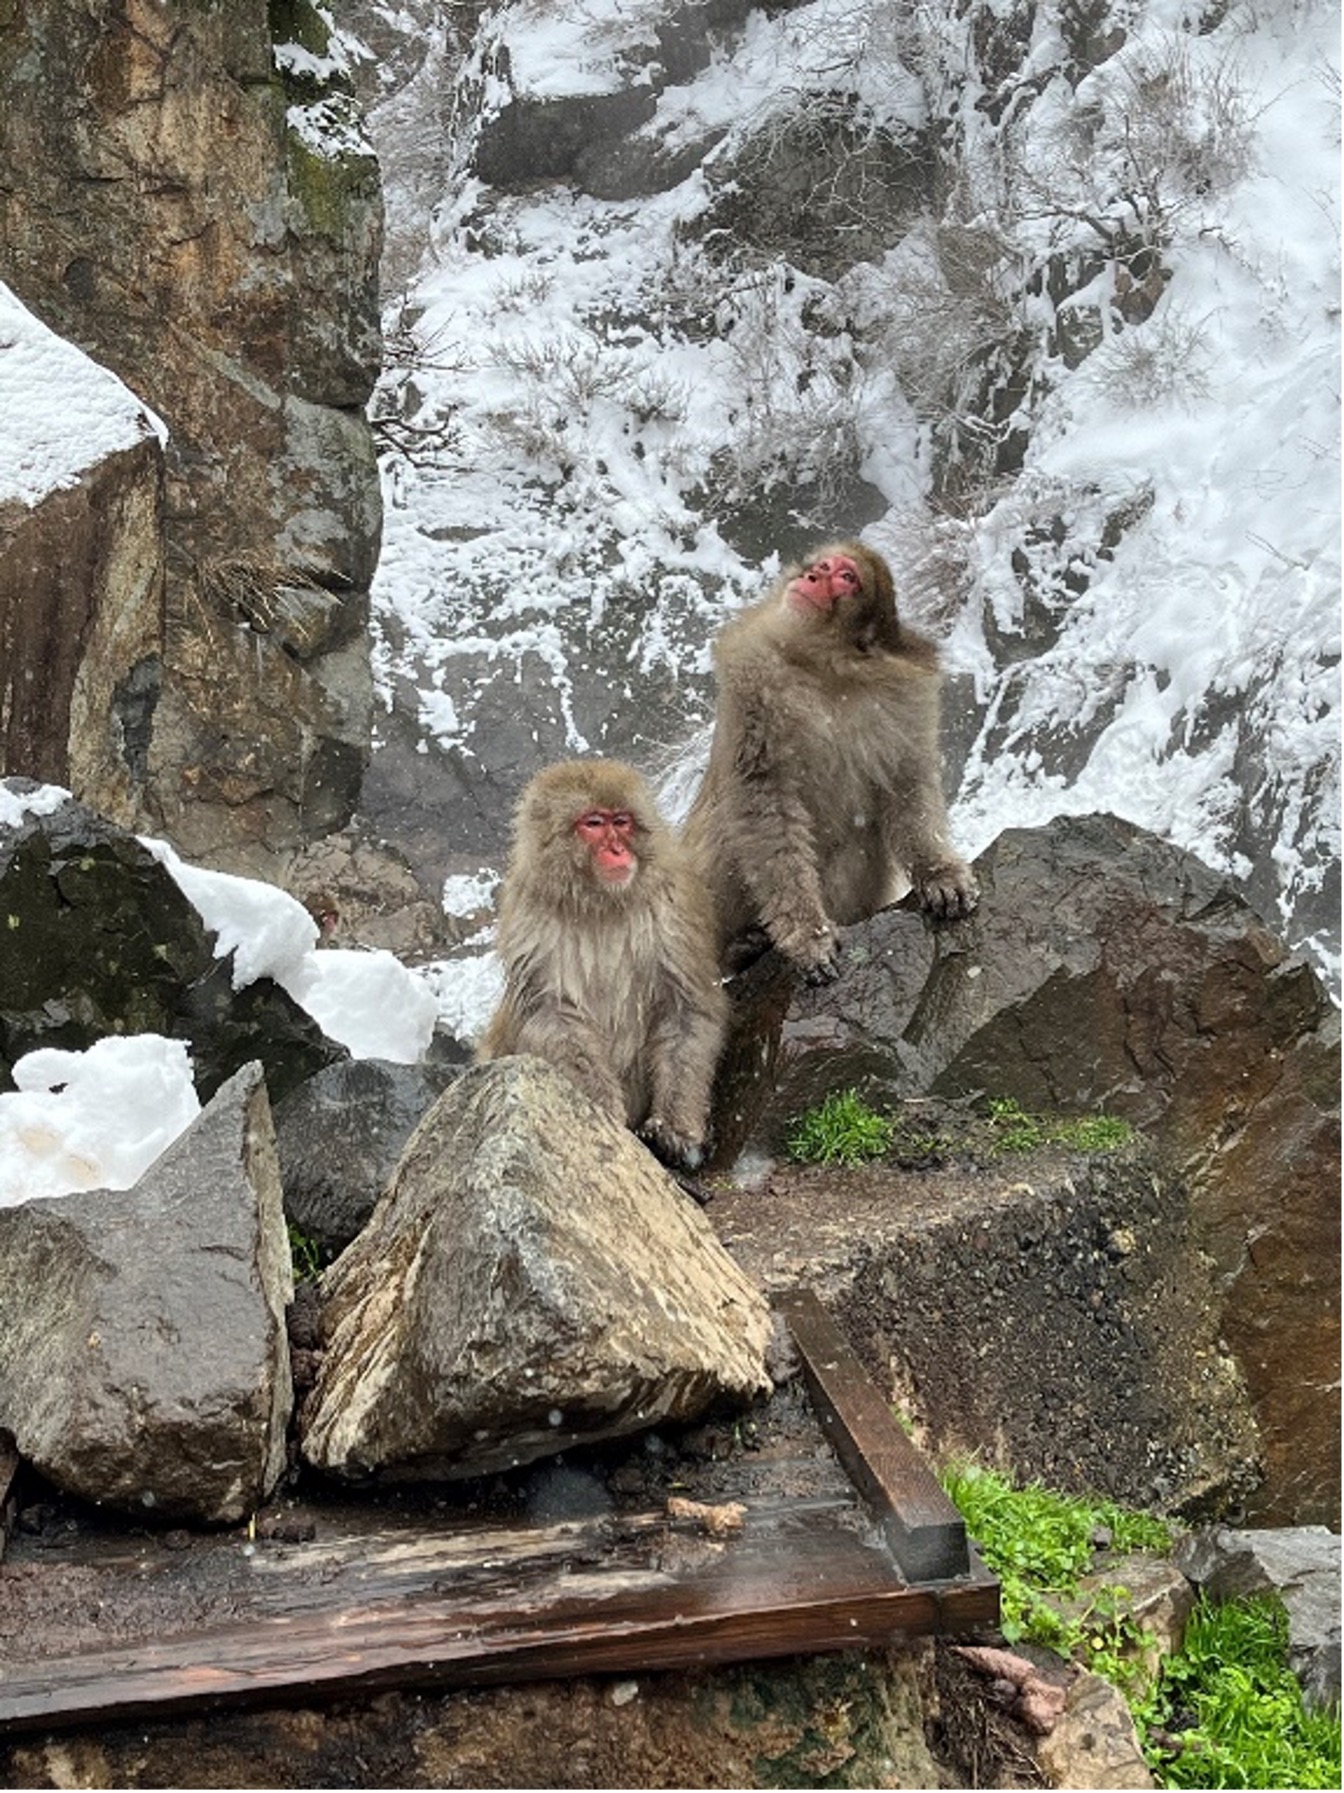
(1227, 1710)
(843, 1130)
(1015, 1130)
(307, 1256)
(1040, 1545)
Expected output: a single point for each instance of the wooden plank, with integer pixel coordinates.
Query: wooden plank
(431, 1642)
(926, 1533)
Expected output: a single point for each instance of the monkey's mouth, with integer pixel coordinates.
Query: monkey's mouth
(616, 877)
(802, 596)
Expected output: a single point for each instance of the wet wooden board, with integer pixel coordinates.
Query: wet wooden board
(127, 1628)
(926, 1533)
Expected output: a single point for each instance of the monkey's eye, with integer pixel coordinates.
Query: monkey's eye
(622, 821)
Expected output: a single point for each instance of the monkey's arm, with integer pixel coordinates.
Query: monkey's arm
(768, 830)
(685, 1039)
(918, 836)
(548, 1028)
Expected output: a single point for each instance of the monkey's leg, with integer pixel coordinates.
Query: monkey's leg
(576, 1050)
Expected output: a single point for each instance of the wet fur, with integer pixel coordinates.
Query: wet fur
(616, 987)
(823, 794)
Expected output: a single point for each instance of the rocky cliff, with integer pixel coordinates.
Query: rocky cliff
(188, 197)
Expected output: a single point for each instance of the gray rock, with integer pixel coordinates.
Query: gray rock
(143, 1356)
(339, 1137)
(1300, 1563)
(530, 1278)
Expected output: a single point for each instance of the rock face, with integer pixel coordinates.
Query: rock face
(81, 616)
(530, 1278)
(1107, 970)
(101, 941)
(1050, 1313)
(143, 1356)
(200, 213)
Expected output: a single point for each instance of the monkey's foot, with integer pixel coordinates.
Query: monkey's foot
(948, 892)
(814, 950)
(677, 1151)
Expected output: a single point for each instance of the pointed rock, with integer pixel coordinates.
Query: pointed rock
(530, 1277)
(143, 1355)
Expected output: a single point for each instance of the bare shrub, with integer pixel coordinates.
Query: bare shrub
(1167, 359)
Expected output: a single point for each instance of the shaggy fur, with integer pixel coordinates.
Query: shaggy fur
(615, 986)
(823, 796)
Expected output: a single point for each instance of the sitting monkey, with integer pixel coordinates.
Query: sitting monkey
(606, 936)
(823, 795)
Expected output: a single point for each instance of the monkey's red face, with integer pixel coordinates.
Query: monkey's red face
(822, 583)
(608, 835)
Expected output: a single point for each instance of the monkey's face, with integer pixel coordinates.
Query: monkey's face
(607, 836)
(823, 583)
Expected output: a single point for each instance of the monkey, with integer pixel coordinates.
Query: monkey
(606, 937)
(823, 792)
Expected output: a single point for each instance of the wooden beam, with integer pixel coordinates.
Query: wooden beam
(729, 1615)
(923, 1528)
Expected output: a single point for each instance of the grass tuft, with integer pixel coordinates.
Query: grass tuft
(1227, 1711)
(1015, 1130)
(843, 1130)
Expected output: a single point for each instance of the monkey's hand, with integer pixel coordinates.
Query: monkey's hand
(947, 892)
(814, 947)
(677, 1150)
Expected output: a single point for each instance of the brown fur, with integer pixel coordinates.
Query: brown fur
(616, 987)
(823, 793)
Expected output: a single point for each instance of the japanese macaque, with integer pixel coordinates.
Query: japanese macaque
(823, 797)
(607, 940)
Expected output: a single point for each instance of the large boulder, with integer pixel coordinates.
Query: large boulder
(197, 208)
(532, 1277)
(144, 1362)
(101, 941)
(1108, 970)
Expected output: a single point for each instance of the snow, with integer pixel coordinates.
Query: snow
(92, 1120)
(1207, 641)
(46, 446)
(97, 1119)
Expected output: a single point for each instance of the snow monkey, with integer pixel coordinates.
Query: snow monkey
(607, 940)
(823, 795)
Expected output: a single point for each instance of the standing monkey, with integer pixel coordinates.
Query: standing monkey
(823, 792)
(606, 936)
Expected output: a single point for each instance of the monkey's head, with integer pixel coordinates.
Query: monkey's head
(846, 589)
(588, 825)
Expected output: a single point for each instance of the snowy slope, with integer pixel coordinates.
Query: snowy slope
(560, 413)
